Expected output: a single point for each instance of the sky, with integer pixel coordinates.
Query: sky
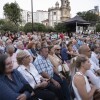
(76, 5)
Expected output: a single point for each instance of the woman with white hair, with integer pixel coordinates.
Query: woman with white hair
(36, 81)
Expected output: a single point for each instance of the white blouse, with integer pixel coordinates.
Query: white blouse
(30, 74)
(88, 88)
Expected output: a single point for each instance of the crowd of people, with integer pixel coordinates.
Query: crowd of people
(35, 66)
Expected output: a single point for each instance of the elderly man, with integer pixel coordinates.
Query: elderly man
(47, 70)
(94, 72)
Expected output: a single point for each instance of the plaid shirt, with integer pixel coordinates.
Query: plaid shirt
(43, 65)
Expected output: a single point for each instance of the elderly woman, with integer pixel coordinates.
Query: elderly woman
(11, 81)
(10, 50)
(83, 90)
(37, 82)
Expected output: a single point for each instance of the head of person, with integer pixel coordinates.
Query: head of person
(23, 58)
(8, 42)
(44, 50)
(38, 46)
(57, 49)
(74, 42)
(10, 49)
(82, 62)
(6, 65)
(51, 49)
(96, 48)
(31, 45)
(20, 45)
(1, 42)
(70, 43)
(85, 50)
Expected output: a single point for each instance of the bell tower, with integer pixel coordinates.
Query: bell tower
(65, 10)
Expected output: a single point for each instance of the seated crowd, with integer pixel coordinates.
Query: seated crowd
(33, 67)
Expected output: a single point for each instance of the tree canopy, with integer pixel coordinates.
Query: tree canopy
(89, 16)
(13, 12)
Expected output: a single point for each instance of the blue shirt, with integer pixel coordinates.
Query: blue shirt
(9, 89)
(64, 54)
(43, 65)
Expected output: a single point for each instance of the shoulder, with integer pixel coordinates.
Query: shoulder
(79, 80)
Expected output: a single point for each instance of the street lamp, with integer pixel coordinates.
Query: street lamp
(32, 13)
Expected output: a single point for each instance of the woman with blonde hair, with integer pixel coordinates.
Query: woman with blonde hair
(83, 90)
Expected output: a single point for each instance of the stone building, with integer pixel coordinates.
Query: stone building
(59, 13)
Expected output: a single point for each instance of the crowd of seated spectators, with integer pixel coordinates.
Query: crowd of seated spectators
(34, 67)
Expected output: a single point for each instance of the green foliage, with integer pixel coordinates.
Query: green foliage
(28, 27)
(98, 27)
(13, 12)
(9, 26)
(50, 29)
(89, 16)
(36, 27)
(60, 27)
(21, 28)
(2, 21)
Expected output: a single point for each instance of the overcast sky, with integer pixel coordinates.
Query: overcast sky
(76, 5)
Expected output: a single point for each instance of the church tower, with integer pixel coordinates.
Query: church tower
(65, 10)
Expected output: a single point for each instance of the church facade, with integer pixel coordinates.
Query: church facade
(58, 13)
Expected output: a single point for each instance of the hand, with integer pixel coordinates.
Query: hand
(22, 97)
(61, 76)
(44, 79)
(43, 84)
(56, 84)
(93, 87)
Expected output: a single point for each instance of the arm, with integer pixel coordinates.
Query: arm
(80, 84)
(93, 78)
(7, 92)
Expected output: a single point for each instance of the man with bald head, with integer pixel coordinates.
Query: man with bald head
(94, 72)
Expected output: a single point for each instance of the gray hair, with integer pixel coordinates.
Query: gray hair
(10, 47)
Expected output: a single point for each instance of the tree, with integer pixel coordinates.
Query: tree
(28, 27)
(9, 26)
(50, 29)
(13, 12)
(98, 27)
(89, 16)
(36, 27)
(2, 21)
(60, 27)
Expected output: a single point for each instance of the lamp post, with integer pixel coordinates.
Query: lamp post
(32, 13)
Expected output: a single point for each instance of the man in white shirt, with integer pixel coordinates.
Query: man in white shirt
(94, 72)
